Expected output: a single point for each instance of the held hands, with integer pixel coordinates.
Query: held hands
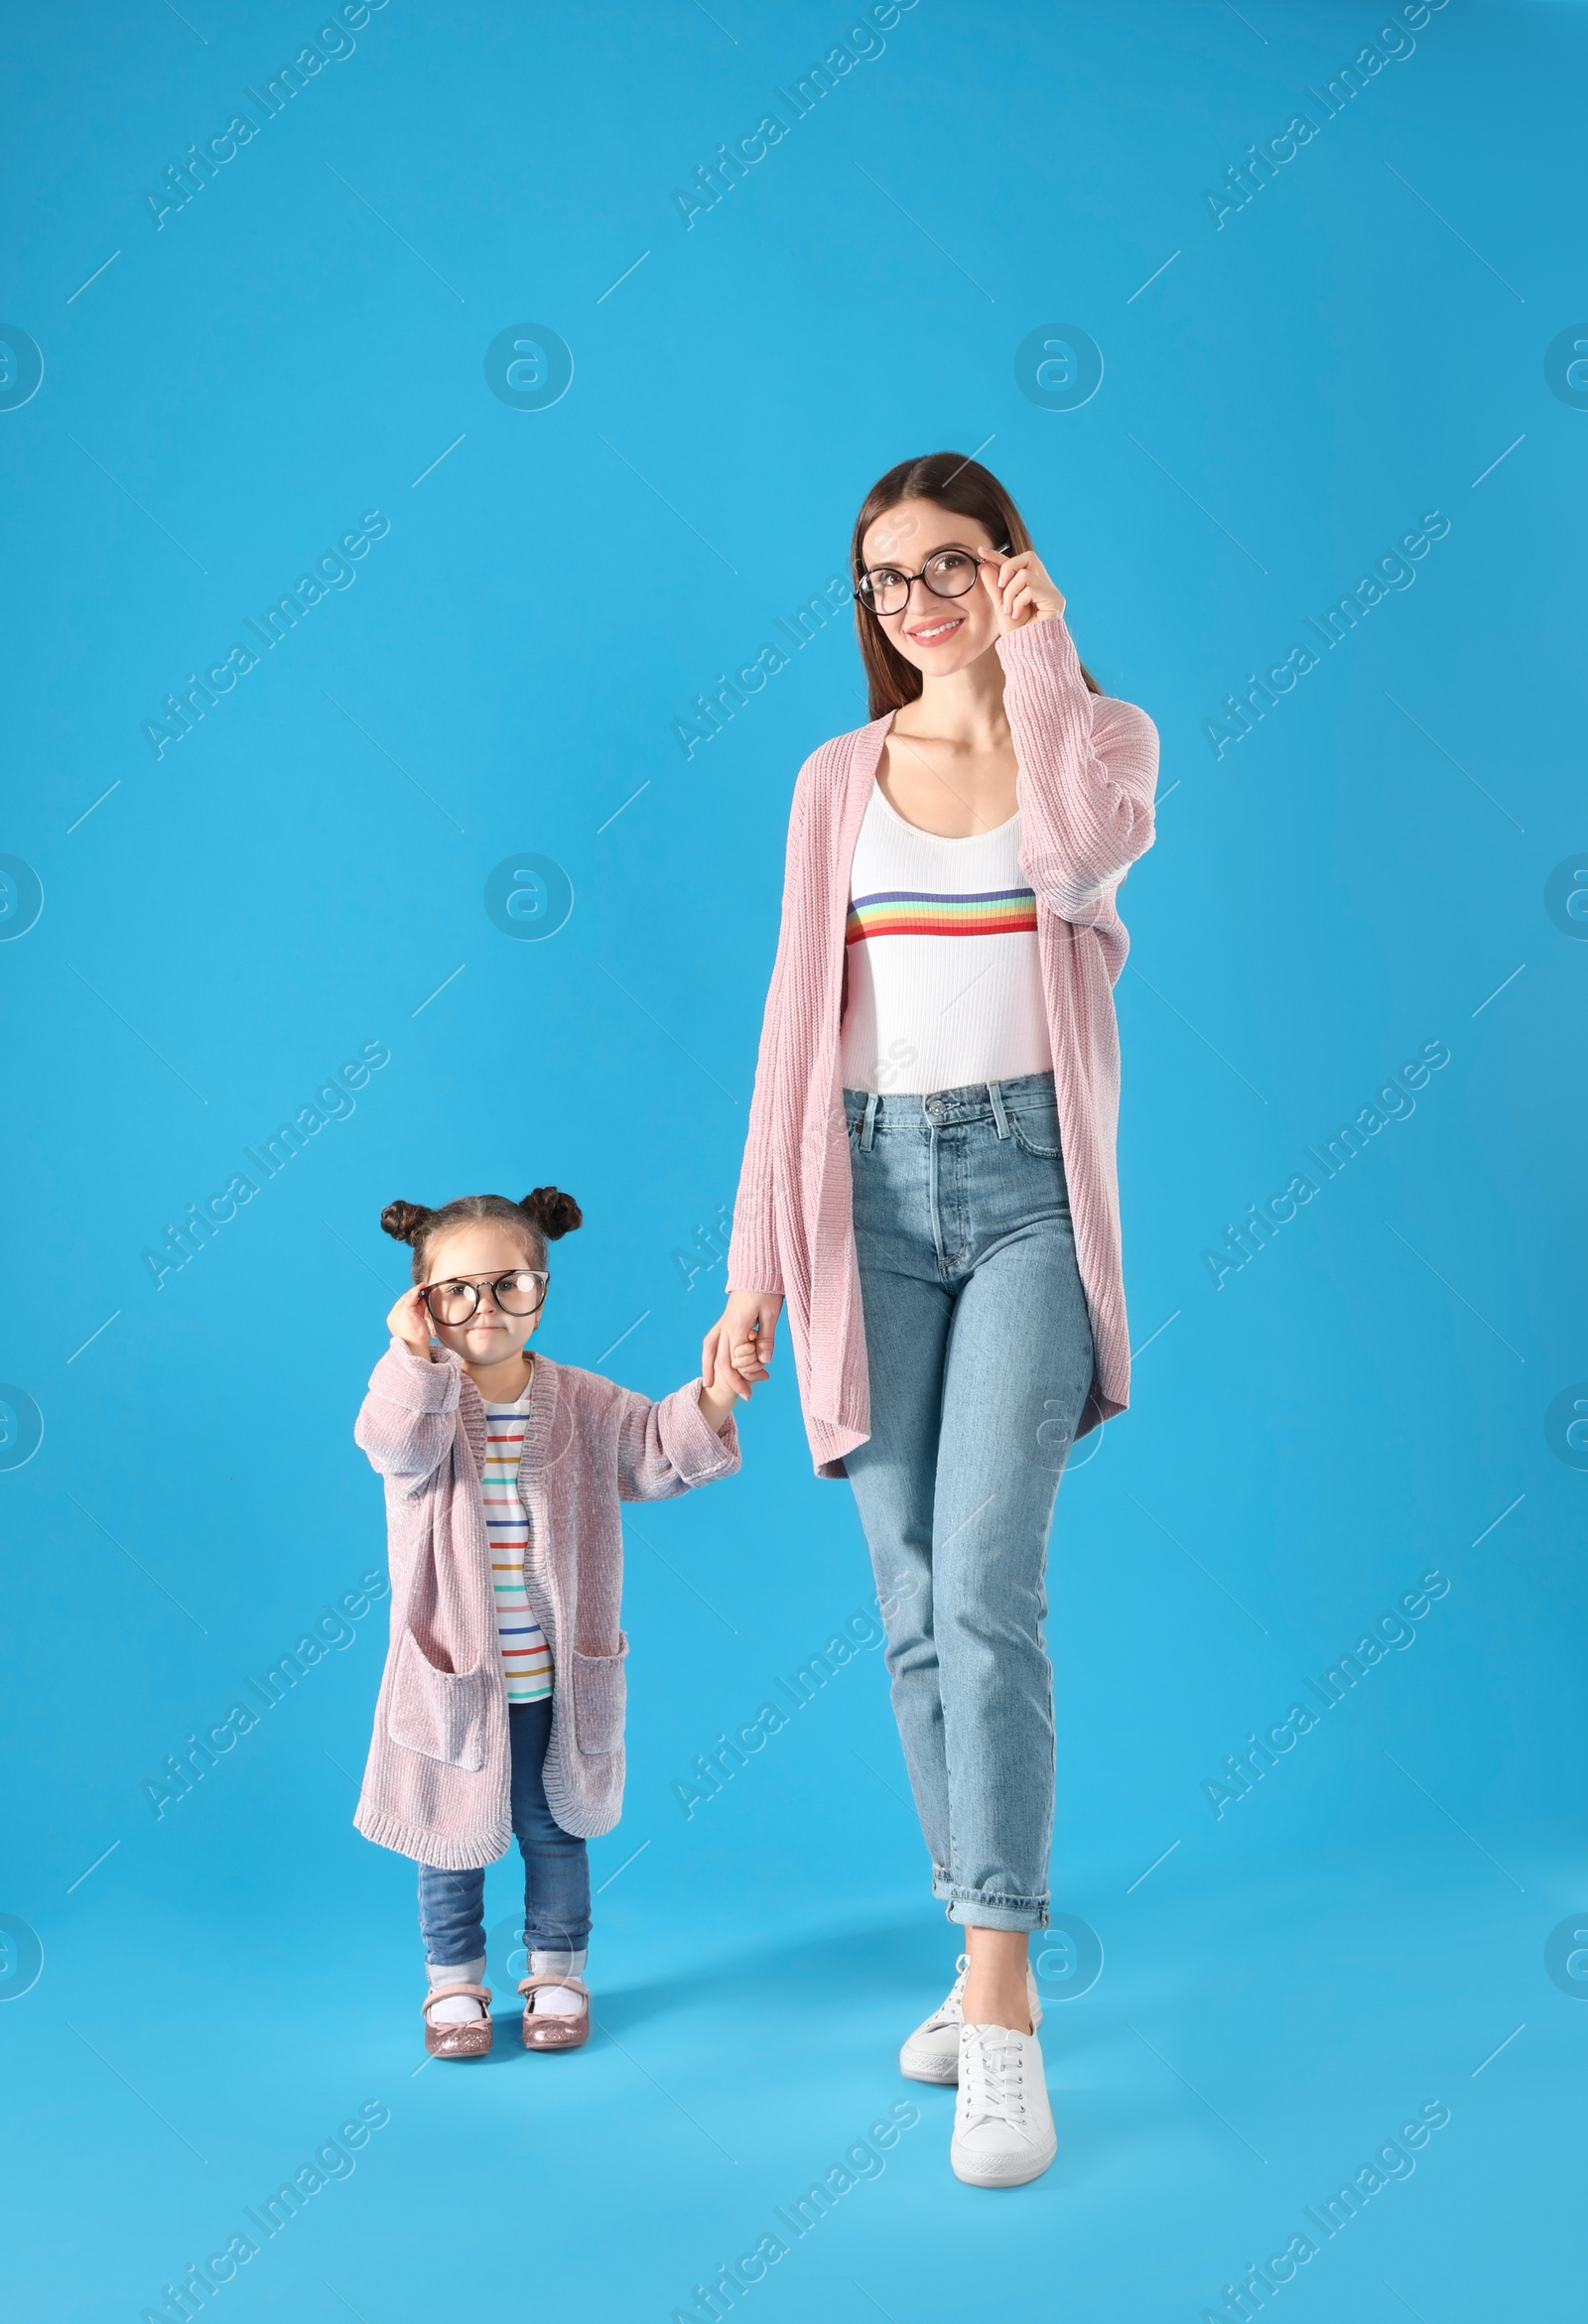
(726, 1381)
(409, 1322)
(1021, 590)
(736, 1351)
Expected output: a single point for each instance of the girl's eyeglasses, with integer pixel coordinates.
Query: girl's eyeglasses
(951, 573)
(518, 1294)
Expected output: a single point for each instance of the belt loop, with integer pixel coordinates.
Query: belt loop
(1000, 1117)
(868, 1120)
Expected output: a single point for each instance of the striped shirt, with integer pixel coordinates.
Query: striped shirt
(945, 979)
(526, 1657)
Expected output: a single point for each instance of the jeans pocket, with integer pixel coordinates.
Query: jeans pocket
(1036, 1129)
(598, 1686)
(441, 1714)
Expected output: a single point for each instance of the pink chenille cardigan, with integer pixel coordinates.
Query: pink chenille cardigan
(435, 1785)
(1088, 767)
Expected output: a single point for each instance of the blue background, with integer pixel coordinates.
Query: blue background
(1295, 387)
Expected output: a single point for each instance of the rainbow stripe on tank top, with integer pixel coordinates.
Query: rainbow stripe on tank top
(910, 912)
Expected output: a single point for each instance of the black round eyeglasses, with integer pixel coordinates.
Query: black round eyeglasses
(947, 572)
(518, 1294)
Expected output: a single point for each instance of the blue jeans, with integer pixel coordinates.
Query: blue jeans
(980, 1353)
(452, 1905)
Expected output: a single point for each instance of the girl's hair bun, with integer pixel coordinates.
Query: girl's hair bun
(553, 1211)
(405, 1221)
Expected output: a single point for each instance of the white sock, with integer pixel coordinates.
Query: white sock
(557, 2001)
(457, 2009)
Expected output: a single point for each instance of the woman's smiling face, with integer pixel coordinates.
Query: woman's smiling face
(937, 634)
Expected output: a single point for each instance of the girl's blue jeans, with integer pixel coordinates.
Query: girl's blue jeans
(980, 1354)
(452, 1905)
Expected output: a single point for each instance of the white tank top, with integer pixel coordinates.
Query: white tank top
(945, 986)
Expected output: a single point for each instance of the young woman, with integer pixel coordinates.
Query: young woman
(500, 1713)
(929, 1181)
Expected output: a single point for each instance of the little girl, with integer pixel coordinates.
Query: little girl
(500, 1711)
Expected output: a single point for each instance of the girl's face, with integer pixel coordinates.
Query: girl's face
(937, 634)
(480, 1253)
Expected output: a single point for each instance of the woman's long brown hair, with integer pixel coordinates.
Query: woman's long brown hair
(949, 480)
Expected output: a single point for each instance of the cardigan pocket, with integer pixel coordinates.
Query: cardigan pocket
(600, 1692)
(438, 1713)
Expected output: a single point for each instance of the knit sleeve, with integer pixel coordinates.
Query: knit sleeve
(406, 1421)
(1088, 769)
(665, 1448)
(752, 1258)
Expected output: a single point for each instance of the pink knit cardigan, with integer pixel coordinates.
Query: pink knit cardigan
(435, 1785)
(1088, 767)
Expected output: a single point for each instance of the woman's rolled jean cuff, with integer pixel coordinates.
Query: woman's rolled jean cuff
(977, 1909)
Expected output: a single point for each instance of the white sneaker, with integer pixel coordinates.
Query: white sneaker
(1003, 2131)
(932, 2052)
